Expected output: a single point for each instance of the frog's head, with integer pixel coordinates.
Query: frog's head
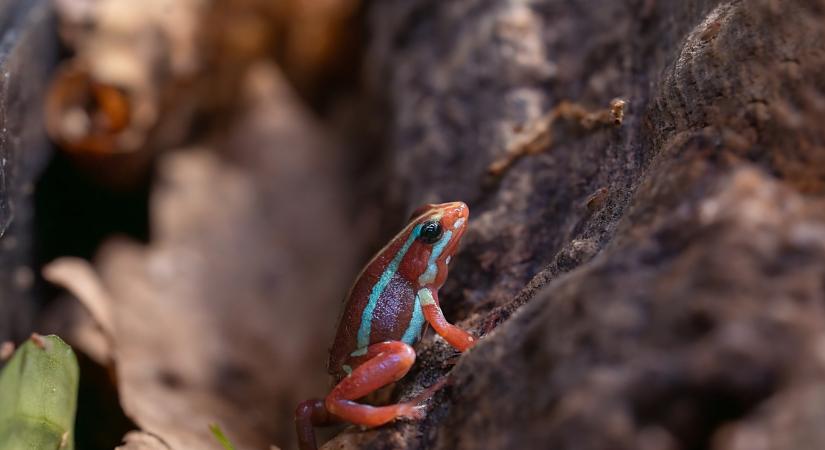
(437, 230)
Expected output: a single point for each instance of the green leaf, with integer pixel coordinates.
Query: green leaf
(216, 430)
(38, 396)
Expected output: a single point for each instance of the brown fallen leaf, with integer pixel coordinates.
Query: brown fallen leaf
(78, 276)
(226, 315)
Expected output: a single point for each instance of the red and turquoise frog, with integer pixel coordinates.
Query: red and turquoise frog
(385, 312)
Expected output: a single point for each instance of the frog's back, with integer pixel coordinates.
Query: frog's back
(381, 306)
(373, 316)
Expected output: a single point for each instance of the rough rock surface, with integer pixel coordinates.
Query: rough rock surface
(680, 308)
(28, 50)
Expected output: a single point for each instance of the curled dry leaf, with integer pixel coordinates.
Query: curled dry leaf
(85, 115)
(128, 55)
(142, 69)
(90, 328)
(79, 277)
(131, 86)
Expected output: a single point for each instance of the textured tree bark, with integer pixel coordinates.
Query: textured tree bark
(655, 286)
(28, 50)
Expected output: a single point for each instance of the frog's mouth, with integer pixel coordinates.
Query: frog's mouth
(452, 246)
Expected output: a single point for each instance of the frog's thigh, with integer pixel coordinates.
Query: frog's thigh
(388, 362)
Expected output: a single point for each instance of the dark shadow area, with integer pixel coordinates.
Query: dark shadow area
(74, 214)
(100, 423)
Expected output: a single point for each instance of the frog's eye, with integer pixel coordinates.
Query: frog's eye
(430, 232)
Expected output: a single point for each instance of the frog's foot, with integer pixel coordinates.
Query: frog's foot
(412, 411)
(309, 414)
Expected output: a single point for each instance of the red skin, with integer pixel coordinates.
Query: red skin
(387, 358)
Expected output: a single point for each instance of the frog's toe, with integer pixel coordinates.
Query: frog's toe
(412, 411)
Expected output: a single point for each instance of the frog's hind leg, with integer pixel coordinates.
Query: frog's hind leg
(309, 414)
(385, 363)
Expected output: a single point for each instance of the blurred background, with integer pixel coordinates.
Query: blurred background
(189, 188)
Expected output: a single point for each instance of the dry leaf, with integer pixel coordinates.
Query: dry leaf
(240, 286)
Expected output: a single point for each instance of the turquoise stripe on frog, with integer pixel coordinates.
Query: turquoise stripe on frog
(366, 318)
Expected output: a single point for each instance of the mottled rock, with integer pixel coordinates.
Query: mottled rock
(684, 309)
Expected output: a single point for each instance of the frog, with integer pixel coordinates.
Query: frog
(392, 301)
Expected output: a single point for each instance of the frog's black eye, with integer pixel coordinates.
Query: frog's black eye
(430, 232)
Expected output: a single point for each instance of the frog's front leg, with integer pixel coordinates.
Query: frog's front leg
(455, 336)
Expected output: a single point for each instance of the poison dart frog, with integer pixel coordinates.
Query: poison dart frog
(385, 312)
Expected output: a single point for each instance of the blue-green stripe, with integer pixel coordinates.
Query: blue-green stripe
(378, 289)
(416, 322)
(432, 266)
